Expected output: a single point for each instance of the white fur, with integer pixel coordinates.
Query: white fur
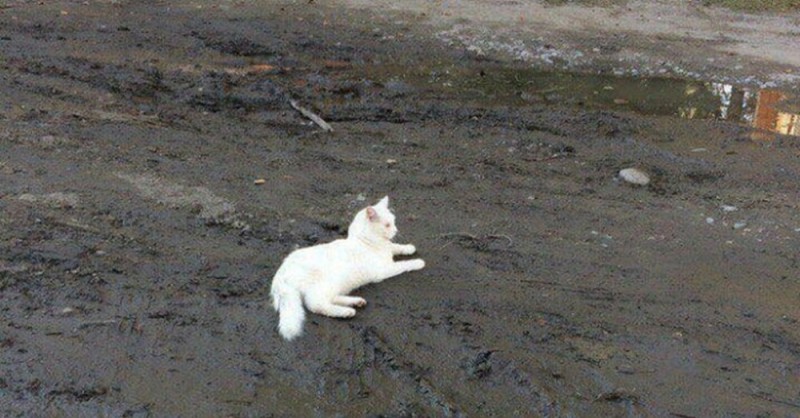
(321, 276)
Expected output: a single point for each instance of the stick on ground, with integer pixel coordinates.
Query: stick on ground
(311, 115)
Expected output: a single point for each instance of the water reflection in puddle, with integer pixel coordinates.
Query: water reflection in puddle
(767, 110)
(760, 109)
(769, 117)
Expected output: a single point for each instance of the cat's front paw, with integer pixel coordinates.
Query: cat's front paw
(409, 249)
(417, 264)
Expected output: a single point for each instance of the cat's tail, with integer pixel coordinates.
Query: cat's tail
(289, 304)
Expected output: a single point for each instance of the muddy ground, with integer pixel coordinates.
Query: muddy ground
(136, 252)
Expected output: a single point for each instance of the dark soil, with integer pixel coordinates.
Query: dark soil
(552, 287)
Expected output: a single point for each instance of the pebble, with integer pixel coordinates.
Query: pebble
(729, 208)
(635, 176)
(391, 161)
(709, 220)
(739, 225)
(259, 182)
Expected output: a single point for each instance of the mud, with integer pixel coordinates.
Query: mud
(136, 251)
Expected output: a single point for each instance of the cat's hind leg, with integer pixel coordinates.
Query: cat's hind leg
(321, 304)
(355, 301)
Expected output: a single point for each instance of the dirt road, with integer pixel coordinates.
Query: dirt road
(136, 251)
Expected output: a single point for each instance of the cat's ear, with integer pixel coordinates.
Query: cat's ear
(384, 203)
(372, 214)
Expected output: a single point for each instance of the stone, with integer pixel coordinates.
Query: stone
(635, 176)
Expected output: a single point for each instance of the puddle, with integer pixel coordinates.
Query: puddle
(768, 110)
(765, 109)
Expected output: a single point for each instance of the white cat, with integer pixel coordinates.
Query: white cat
(323, 275)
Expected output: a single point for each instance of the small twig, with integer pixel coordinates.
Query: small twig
(98, 323)
(464, 235)
(445, 245)
(503, 236)
(77, 225)
(769, 398)
(547, 90)
(311, 115)
(557, 156)
(459, 235)
(5, 363)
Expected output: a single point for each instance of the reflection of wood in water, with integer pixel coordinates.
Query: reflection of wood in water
(766, 114)
(737, 105)
(768, 118)
(788, 123)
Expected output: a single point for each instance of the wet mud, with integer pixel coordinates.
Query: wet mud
(136, 249)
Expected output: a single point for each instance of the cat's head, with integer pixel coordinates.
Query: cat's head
(381, 219)
(376, 220)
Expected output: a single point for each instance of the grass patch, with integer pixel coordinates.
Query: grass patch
(742, 5)
(756, 5)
